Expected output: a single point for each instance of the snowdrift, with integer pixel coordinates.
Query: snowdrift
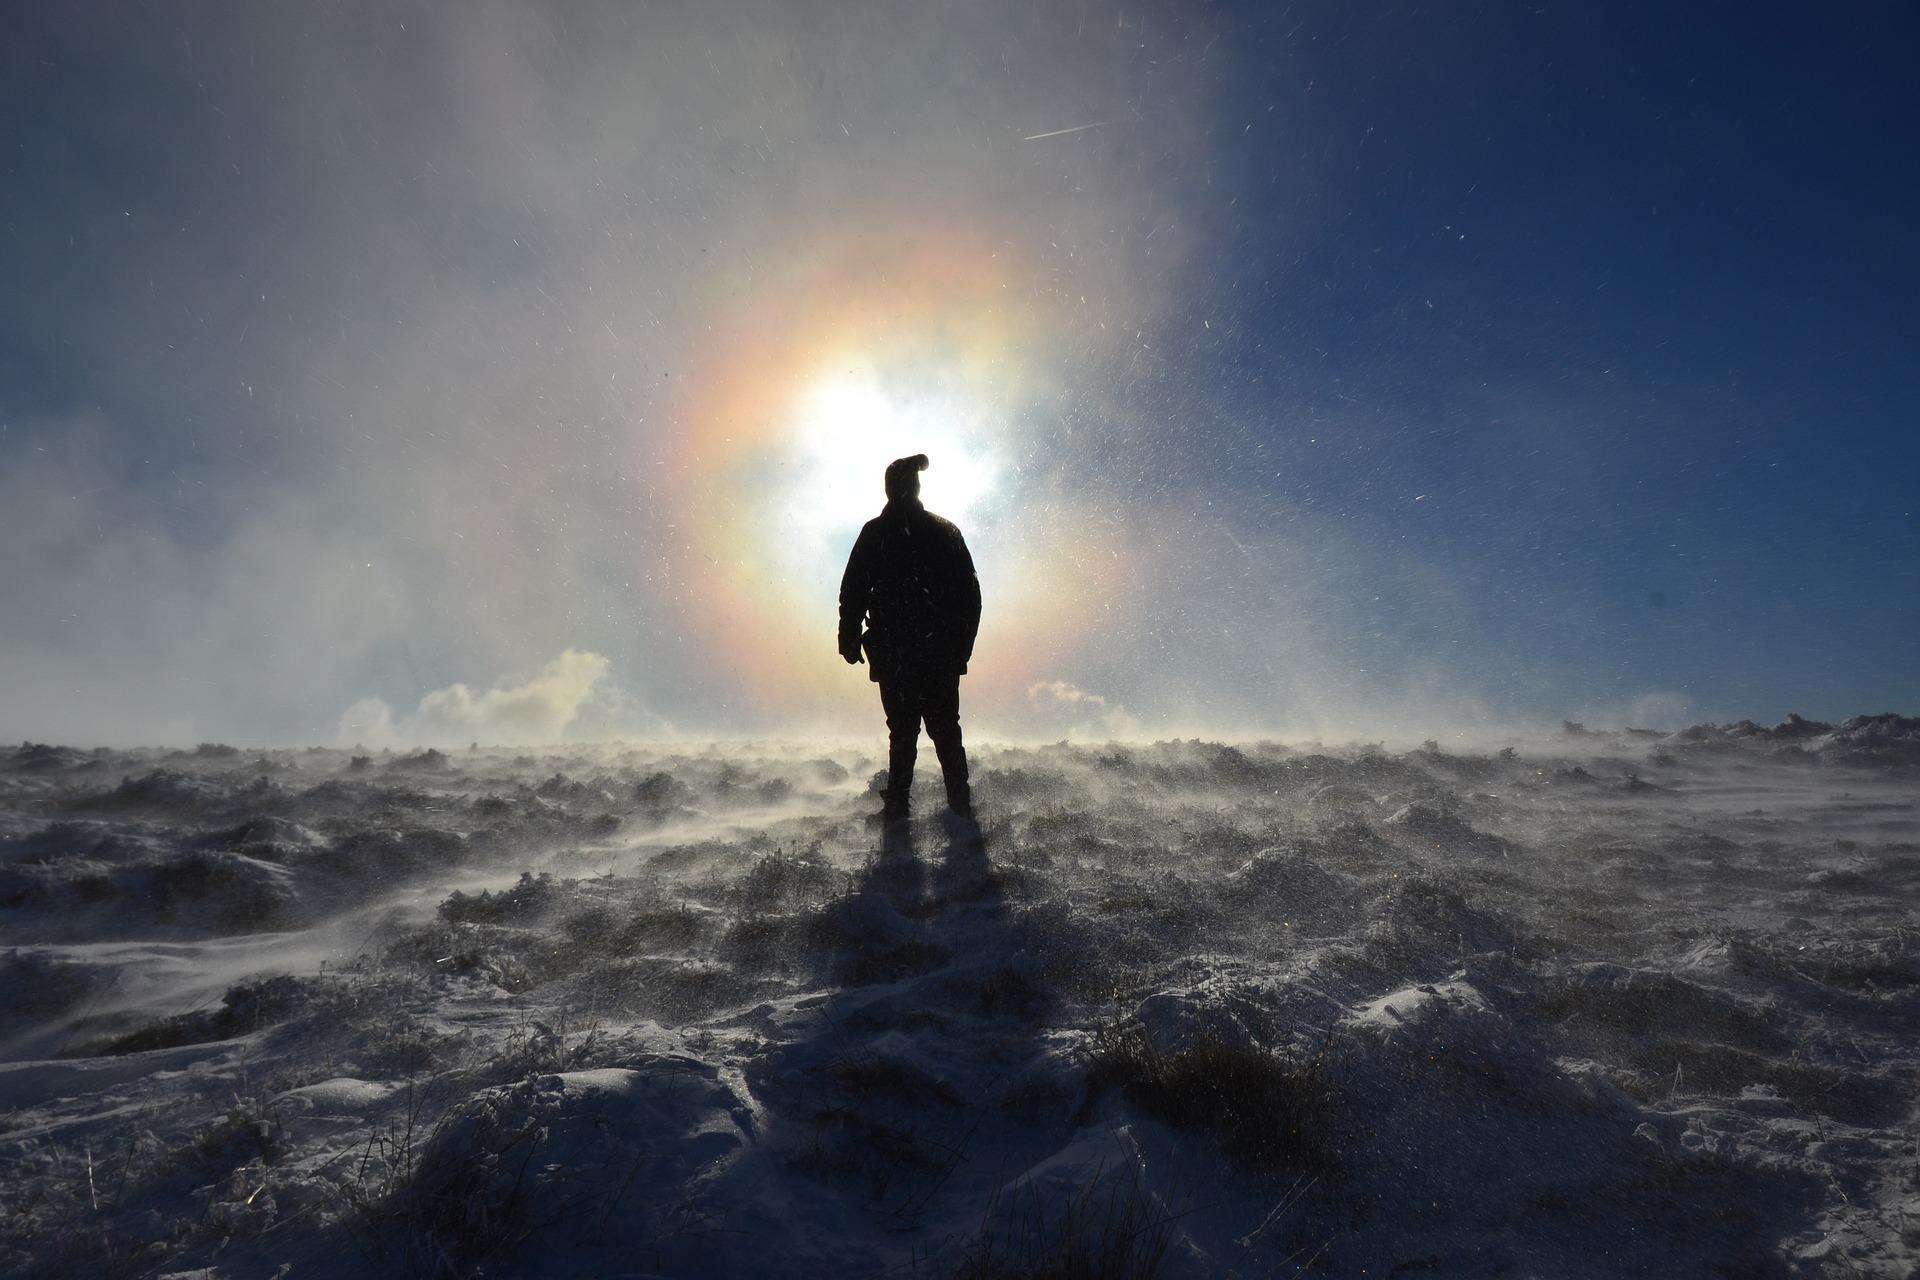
(1606, 1004)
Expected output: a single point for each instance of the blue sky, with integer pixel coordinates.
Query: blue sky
(1628, 292)
(1444, 365)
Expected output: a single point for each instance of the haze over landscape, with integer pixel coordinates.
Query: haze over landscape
(1291, 370)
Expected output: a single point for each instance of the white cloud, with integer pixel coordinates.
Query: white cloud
(368, 722)
(539, 709)
(1059, 693)
(1061, 707)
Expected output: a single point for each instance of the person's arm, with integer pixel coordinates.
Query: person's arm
(856, 586)
(969, 597)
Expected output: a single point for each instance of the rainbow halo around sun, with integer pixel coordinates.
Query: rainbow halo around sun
(809, 389)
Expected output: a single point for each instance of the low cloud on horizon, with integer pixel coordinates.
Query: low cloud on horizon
(568, 698)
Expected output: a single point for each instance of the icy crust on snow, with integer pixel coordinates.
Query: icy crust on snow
(1602, 1004)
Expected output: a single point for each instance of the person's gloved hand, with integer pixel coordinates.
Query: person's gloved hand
(851, 652)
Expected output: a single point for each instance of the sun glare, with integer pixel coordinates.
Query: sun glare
(849, 429)
(844, 432)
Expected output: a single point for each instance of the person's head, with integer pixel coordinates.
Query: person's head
(903, 478)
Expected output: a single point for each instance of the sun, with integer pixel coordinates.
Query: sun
(825, 468)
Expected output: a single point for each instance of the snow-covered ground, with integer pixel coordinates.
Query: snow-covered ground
(1616, 1003)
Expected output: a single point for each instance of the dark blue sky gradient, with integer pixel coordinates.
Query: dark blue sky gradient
(1630, 293)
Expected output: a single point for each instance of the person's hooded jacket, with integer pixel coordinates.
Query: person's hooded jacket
(910, 595)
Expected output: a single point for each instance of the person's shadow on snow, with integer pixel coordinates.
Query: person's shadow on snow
(964, 873)
(895, 872)
(924, 1073)
(897, 1095)
(897, 922)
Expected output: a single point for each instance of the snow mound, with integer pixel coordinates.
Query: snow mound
(41, 757)
(270, 839)
(1885, 741)
(1888, 741)
(1441, 826)
(1293, 889)
(626, 1156)
(1334, 799)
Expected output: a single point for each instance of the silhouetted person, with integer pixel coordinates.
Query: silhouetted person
(911, 598)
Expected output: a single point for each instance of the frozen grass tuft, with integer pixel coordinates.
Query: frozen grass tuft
(1270, 1113)
(244, 1009)
(528, 900)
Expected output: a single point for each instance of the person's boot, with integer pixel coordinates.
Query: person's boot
(894, 807)
(900, 758)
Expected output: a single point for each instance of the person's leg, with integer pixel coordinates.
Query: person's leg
(940, 703)
(900, 700)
